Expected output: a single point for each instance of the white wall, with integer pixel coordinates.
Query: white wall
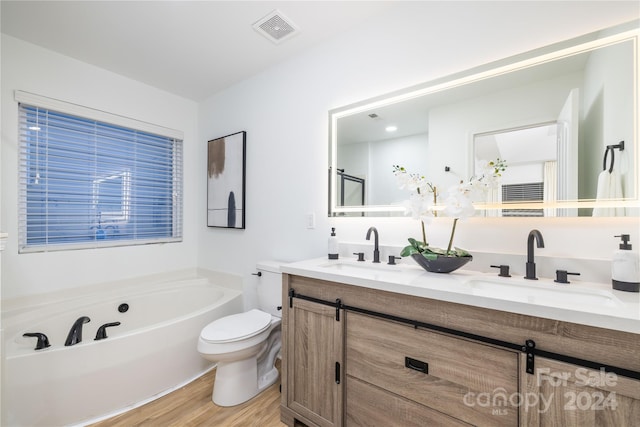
(284, 110)
(33, 69)
(453, 126)
(608, 110)
(374, 161)
(409, 151)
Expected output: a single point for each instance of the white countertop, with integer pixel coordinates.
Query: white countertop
(594, 304)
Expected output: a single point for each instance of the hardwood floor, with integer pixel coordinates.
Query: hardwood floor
(192, 406)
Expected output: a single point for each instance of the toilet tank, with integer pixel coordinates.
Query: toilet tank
(270, 287)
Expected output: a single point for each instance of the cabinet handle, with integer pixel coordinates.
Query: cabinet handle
(416, 365)
(337, 372)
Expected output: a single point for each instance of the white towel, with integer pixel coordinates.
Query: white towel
(609, 187)
(615, 186)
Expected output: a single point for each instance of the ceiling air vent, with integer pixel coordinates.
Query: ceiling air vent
(276, 27)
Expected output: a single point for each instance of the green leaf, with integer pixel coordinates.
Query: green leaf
(418, 244)
(408, 251)
(461, 253)
(416, 247)
(415, 243)
(436, 251)
(430, 256)
(431, 252)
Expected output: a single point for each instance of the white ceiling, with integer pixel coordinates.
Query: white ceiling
(190, 48)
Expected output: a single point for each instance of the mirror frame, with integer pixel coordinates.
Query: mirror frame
(629, 31)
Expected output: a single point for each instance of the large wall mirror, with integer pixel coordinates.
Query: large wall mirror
(560, 116)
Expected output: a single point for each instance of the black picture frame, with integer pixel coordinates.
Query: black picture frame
(226, 162)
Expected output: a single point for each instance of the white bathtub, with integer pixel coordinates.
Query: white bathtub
(151, 352)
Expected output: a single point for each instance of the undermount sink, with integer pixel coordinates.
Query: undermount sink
(551, 294)
(362, 266)
(543, 292)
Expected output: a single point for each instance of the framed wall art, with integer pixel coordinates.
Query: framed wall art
(226, 181)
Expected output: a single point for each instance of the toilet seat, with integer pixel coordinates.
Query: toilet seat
(236, 327)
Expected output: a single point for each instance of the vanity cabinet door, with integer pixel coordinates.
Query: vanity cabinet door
(567, 395)
(315, 352)
(465, 380)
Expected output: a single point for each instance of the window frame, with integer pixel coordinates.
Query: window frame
(173, 140)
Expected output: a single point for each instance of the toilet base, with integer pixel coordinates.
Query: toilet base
(235, 383)
(239, 381)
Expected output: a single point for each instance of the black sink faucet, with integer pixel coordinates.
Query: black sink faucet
(75, 334)
(376, 249)
(531, 265)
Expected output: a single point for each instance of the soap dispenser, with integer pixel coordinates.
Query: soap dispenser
(625, 267)
(333, 244)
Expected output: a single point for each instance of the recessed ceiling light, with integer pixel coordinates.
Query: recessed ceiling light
(391, 128)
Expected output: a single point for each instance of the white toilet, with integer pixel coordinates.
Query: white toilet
(245, 345)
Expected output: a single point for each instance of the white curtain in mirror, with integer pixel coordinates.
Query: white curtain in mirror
(550, 189)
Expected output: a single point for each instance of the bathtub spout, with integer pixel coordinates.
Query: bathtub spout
(102, 330)
(75, 334)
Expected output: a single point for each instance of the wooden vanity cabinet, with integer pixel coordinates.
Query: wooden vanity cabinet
(434, 374)
(395, 374)
(314, 357)
(568, 395)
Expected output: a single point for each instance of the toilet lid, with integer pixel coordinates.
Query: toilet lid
(236, 327)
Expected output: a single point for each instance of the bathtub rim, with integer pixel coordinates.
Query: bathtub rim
(13, 348)
(12, 307)
(32, 309)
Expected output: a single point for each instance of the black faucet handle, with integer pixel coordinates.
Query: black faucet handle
(360, 255)
(392, 259)
(504, 270)
(561, 276)
(43, 341)
(102, 330)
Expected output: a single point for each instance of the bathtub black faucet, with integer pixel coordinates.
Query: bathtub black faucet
(75, 334)
(102, 330)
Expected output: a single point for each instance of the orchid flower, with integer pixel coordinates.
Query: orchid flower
(458, 203)
(422, 198)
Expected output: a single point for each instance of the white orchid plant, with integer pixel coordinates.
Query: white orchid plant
(458, 204)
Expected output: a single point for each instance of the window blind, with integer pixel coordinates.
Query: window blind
(532, 191)
(87, 183)
(527, 192)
